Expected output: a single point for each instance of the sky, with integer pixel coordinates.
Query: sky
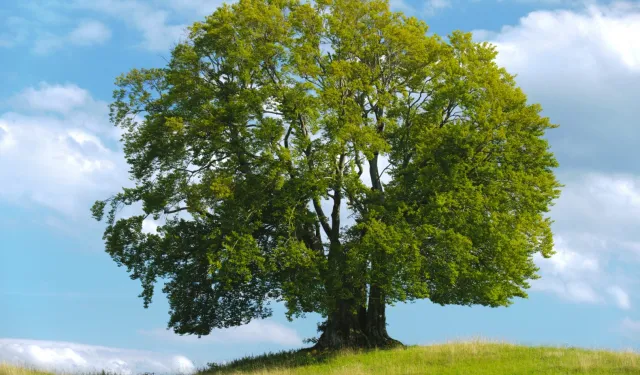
(65, 305)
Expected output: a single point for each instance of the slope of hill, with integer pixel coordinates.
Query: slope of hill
(455, 358)
(473, 358)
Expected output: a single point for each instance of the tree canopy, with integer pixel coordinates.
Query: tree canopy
(333, 156)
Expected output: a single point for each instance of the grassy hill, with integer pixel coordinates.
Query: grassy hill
(464, 358)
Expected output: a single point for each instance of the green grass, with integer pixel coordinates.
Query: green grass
(464, 358)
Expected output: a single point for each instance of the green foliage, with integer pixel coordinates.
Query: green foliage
(274, 109)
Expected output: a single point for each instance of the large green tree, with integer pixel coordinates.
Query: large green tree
(277, 118)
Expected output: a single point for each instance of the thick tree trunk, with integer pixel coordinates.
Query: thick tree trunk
(376, 327)
(360, 327)
(342, 330)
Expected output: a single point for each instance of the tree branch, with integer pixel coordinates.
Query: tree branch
(167, 211)
(321, 216)
(447, 112)
(178, 209)
(286, 137)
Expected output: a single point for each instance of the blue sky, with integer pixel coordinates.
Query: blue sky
(65, 304)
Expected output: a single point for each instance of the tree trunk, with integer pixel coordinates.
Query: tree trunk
(357, 327)
(352, 326)
(342, 330)
(376, 327)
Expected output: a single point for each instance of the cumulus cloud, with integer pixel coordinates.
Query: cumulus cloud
(54, 167)
(73, 357)
(599, 211)
(54, 150)
(256, 331)
(54, 98)
(594, 227)
(569, 274)
(583, 65)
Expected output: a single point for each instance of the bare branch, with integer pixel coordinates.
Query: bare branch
(385, 168)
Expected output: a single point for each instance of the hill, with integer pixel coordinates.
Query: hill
(477, 358)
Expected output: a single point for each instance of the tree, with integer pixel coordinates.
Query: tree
(275, 118)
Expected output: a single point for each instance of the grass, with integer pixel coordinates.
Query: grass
(6, 369)
(474, 357)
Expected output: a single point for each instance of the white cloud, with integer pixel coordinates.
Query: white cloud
(89, 33)
(86, 33)
(592, 219)
(570, 263)
(72, 357)
(596, 38)
(604, 205)
(573, 291)
(55, 167)
(583, 66)
(149, 226)
(52, 98)
(159, 30)
(620, 296)
(7, 139)
(256, 331)
(53, 150)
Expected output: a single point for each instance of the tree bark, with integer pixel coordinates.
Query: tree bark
(376, 327)
(342, 329)
(351, 327)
